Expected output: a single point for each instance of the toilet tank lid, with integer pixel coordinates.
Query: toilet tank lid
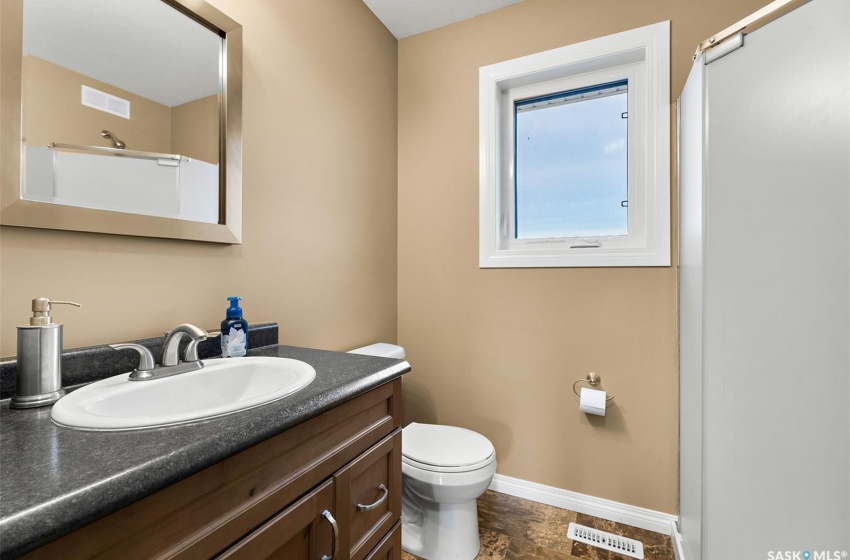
(444, 446)
(382, 350)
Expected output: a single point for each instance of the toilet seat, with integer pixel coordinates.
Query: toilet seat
(445, 449)
(456, 469)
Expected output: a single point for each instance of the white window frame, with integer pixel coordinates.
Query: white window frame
(643, 57)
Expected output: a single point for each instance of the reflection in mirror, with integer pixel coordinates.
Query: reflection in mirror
(121, 104)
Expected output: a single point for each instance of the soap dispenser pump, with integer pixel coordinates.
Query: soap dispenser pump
(234, 331)
(39, 358)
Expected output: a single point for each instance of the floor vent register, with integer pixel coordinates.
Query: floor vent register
(608, 541)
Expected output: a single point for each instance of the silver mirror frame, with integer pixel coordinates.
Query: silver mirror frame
(16, 211)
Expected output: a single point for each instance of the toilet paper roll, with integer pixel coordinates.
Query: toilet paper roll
(592, 401)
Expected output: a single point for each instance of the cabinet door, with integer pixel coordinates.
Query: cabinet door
(368, 496)
(390, 547)
(306, 530)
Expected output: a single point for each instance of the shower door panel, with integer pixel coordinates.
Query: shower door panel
(776, 363)
(691, 239)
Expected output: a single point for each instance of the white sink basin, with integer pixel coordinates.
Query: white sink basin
(221, 387)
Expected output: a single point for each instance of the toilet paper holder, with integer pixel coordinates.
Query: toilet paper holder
(593, 380)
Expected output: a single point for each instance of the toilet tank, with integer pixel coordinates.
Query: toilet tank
(382, 350)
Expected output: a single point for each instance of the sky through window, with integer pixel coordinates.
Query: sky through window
(572, 169)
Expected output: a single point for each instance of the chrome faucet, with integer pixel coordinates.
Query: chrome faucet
(171, 364)
(172, 344)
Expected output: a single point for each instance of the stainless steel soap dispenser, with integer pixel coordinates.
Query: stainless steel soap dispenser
(39, 358)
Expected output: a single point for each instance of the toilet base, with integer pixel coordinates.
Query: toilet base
(436, 531)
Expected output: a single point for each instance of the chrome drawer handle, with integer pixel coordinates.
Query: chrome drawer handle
(330, 518)
(381, 500)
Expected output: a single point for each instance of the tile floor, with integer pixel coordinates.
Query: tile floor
(516, 529)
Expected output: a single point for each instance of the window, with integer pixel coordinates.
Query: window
(571, 162)
(575, 152)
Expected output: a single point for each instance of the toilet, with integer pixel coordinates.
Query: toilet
(444, 470)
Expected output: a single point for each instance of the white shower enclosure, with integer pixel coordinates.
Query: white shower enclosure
(168, 187)
(765, 293)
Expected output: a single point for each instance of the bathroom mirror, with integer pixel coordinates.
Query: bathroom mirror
(121, 116)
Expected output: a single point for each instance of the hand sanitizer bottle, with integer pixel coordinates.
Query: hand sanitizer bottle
(234, 331)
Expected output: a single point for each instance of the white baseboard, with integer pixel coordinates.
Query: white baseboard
(582, 503)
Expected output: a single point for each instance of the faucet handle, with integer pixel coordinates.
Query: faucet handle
(146, 360)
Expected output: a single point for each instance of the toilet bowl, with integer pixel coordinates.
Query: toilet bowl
(444, 470)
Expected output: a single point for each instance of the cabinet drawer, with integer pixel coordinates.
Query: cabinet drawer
(368, 496)
(390, 547)
(303, 530)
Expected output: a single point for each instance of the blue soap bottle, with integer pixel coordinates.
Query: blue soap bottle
(234, 331)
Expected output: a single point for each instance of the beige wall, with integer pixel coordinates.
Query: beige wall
(319, 252)
(497, 351)
(53, 112)
(194, 129)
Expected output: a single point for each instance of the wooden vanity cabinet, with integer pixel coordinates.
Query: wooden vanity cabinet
(275, 500)
(306, 528)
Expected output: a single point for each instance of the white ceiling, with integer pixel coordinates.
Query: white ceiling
(408, 17)
(145, 47)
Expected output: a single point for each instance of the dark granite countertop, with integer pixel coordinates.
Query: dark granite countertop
(54, 479)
